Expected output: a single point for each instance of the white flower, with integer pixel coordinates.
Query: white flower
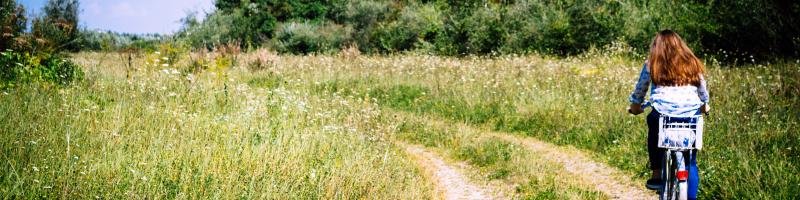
(158, 53)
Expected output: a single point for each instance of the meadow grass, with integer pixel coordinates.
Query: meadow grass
(163, 134)
(751, 138)
(323, 126)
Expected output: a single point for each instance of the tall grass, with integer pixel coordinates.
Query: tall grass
(751, 146)
(162, 134)
(324, 126)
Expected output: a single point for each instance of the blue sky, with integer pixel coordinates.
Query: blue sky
(131, 16)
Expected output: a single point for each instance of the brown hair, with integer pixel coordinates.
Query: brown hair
(671, 62)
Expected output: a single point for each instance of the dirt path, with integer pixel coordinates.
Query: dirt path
(449, 182)
(606, 179)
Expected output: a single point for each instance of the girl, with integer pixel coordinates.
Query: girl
(678, 90)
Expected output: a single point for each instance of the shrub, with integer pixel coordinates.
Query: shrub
(307, 37)
(19, 68)
(416, 27)
(58, 27)
(364, 16)
(641, 21)
(481, 27)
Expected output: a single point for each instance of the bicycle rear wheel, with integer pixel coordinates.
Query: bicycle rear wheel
(670, 189)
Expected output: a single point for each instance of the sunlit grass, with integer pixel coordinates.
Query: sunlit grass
(751, 142)
(323, 126)
(162, 134)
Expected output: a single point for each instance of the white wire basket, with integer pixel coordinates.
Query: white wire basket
(680, 132)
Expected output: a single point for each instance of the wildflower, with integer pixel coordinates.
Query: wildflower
(158, 53)
(35, 169)
(165, 65)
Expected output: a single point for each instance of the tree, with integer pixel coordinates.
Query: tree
(227, 5)
(58, 29)
(13, 23)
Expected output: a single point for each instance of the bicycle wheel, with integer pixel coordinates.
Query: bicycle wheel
(665, 176)
(669, 169)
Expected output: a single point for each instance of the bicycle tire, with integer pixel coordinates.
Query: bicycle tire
(670, 188)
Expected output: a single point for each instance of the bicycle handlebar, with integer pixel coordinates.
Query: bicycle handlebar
(644, 105)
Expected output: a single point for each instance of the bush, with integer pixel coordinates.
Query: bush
(364, 16)
(416, 27)
(766, 28)
(19, 68)
(308, 37)
(484, 30)
(642, 20)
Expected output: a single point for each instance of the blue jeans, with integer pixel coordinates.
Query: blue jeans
(656, 154)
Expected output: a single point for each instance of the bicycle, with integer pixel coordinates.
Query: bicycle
(679, 136)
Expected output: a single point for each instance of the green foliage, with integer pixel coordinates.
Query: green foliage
(12, 24)
(248, 26)
(113, 41)
(308, 37)
(561, 27)
(415, 27)
(364, 16)
(36, 57)
(19, 67)
(762, 28)
(57, 29)
(253, 25)
(483, 30)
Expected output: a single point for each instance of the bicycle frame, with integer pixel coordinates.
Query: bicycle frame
(679, 136)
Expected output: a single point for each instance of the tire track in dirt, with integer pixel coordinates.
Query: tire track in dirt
(606, 179)
(449, 182)
(575, 162)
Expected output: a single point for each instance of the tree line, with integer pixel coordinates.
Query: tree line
(761, 28)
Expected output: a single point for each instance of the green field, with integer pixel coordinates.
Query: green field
(261, 125)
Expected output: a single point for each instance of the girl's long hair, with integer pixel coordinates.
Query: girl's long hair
(672, 63)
